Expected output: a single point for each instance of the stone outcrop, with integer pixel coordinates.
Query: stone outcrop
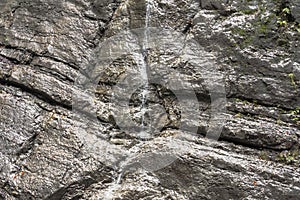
(241, 58)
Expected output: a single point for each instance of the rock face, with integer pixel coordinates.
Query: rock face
(66, 132)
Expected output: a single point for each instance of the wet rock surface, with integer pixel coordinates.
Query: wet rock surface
(247, 51)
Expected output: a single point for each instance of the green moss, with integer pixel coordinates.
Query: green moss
(282, 22)
(290, 157)
(296, 111)
(262, 28)
(282, 42)
(239, 31)
(247, 41)
(245, 37)
(249, 11)
(264, 155)
(286, 20)
(262, 8)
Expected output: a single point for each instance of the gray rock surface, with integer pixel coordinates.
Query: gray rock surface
(248, 52)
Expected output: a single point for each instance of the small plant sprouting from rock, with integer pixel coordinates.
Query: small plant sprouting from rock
(296, 111)
(282, 22)
(288, 157)
(292, 77)
(285, 19)
(286, 11)
(295, 114)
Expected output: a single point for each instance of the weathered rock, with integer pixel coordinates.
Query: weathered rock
(59, 141)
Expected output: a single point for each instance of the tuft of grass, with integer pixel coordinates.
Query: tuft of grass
(292, 77)
(286, 11)
(282, 22)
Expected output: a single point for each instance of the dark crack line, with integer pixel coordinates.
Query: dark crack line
(251, 146)
(259, 102)
(255, 146)
(53, 73)
(254, 115)
(37, 93)
(188, 27)
(73, 66)
(246, 143)
(43, 55)
(102, 32)
(27, 145)
(11, 60)
(38, 67)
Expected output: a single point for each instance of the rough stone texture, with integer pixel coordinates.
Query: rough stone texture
(46, 44)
